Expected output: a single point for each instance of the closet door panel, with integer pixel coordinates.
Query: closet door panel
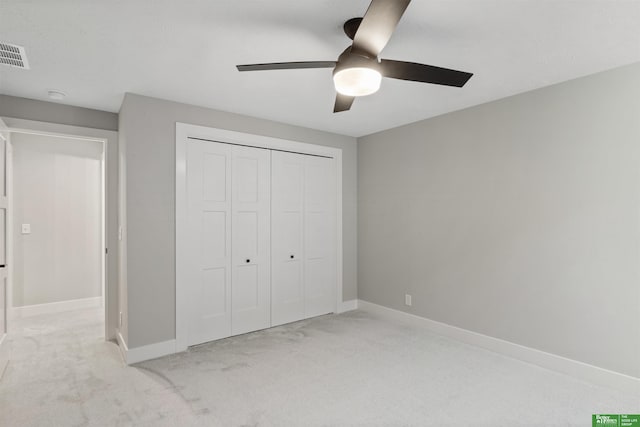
(213, 293)
(213, 238)
(251, 226)
(246, 280)
(246, 298)
(320, 236)
(209, 236)
(287, 213)
(288, 274)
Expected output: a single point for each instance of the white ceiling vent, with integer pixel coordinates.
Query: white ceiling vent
(13, 56)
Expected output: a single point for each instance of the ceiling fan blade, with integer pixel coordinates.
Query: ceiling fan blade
(343, 103)
(286, 65)
(378, 25)
(423, 73)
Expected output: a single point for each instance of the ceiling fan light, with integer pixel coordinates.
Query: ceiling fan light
(357, 81)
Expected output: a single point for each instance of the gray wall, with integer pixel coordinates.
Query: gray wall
(147, 134)
(31, 109)
(57, 190)
(518, 219)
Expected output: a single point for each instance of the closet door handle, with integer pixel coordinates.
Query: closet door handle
(248, 261)
(291, 256)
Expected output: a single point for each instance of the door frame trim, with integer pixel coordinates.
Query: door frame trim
(183, 132)
(109, 185)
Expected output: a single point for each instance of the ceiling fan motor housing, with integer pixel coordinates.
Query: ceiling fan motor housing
(356, 75)
(351, 59)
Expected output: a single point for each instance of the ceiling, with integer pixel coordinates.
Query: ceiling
(186, 51)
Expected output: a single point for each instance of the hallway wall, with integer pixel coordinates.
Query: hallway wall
(56, 191)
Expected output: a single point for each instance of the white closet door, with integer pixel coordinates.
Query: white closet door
(209, 206)
(319, 235)
(287, 216)
(251, 225)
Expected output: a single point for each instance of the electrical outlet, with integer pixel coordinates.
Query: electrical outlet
(407, 299)
(26, 229)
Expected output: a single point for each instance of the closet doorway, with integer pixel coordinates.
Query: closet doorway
(258, 233)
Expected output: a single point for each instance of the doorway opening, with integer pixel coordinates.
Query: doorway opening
(56, 233)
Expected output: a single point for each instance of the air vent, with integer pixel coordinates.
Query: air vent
(13, 56)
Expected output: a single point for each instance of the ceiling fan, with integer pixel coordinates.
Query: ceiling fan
(358, 70)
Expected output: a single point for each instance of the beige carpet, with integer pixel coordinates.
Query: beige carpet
(346, 370)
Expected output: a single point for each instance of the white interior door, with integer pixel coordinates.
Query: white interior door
(5, 158)
(251, 227)
(319, 235)
(209, 240)
(287, 216)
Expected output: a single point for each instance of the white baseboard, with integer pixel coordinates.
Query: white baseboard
(348, 306)
(153, 351)
(54, 307)
(146, 352)
(574, 368)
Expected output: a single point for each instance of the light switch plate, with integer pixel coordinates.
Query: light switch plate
(26, 228)
(407, 299)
